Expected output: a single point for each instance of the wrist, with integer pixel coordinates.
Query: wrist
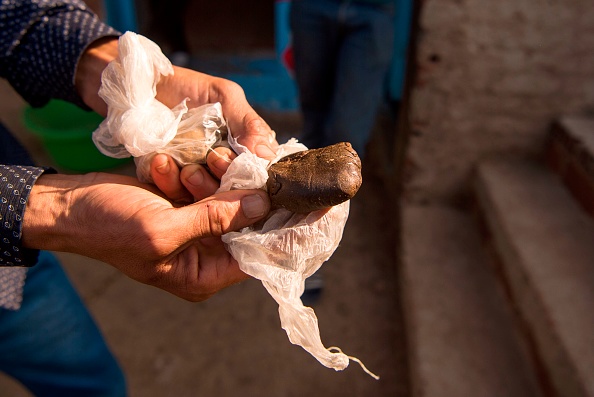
(90, 66)
(47, 220)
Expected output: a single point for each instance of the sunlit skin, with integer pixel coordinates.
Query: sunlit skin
(167, 234)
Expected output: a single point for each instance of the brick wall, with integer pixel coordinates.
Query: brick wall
(491, 76)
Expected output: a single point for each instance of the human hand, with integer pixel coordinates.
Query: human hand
(245, 124)
(129, 225)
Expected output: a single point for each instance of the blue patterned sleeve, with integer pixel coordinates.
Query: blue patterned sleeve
(15, 186)
(40, 44)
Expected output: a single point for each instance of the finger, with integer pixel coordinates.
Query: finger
(245, 124)
(225, 272)
(198, 181)
(216, 270)
(165, 174)
(225, 212)
(258, 137)
(218, 160)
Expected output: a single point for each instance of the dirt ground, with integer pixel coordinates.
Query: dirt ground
(232, 344)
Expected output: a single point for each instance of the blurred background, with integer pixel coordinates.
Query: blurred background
(467, 263)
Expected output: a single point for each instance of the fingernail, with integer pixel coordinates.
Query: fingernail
(222, 163)
(196, 178)
(163, 167)
(265, 151)
(253, 206)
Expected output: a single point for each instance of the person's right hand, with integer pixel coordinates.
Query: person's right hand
(130, 225)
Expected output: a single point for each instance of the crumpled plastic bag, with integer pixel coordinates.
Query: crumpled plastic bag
(285, 249)
(282, 250)
(139, 125)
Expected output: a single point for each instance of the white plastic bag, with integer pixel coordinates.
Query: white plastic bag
(285, 249)
(137, 124)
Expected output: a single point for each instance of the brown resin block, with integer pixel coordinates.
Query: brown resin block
(315, 179)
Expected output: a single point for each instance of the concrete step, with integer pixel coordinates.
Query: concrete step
(570, 152)
(545, 242)
(461, 334)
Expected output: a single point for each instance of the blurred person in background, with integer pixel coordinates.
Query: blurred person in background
(342, 53)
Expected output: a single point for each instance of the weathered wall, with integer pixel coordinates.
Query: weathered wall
(490, 76)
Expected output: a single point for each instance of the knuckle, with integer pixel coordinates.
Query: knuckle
(257, 127)
(218, 220)
(230, 87)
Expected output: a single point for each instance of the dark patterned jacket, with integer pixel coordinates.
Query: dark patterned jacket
(40, 44)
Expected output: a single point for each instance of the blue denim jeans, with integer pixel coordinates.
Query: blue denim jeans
(52, 345)
(343, 51)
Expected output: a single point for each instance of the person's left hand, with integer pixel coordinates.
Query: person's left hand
(244, 123)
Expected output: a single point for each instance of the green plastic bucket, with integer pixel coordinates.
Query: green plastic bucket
(66, 131)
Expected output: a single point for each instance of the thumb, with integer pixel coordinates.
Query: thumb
(226, 212)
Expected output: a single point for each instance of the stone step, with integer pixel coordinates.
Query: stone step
(570, 152)
(545, 242)
(461, 333)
